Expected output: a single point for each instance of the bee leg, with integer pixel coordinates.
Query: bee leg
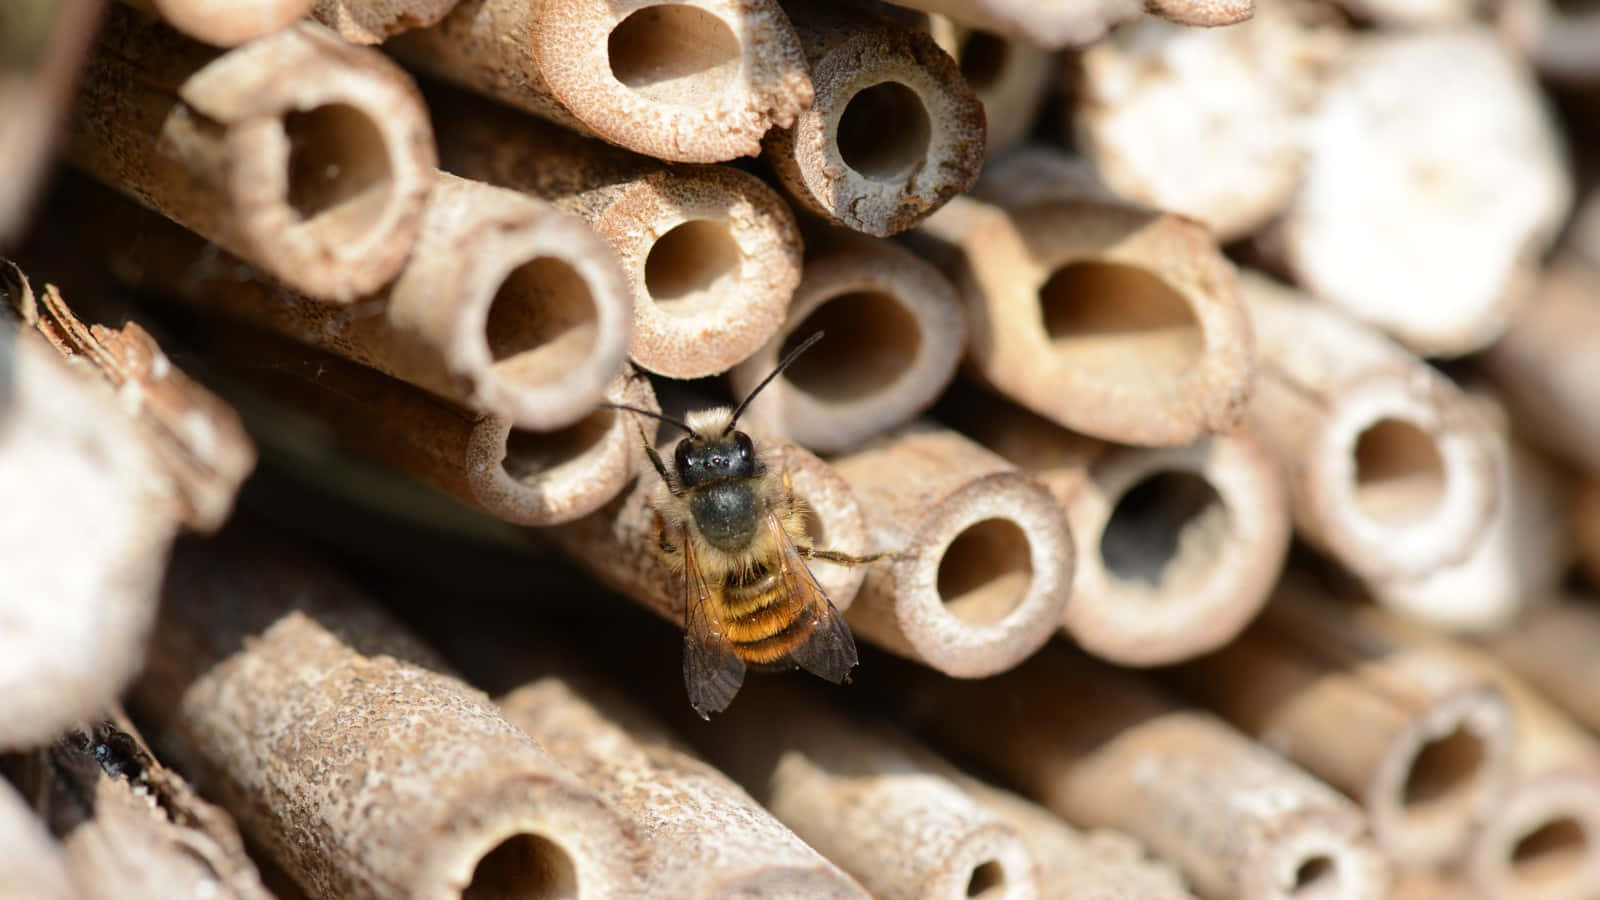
(839, 558)
(662, 543)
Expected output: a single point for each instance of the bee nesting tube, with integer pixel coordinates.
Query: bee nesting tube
(982, 555)
(348, 752)
(308, 157)
(374, 21)
(1177, 547)
(711, 254)
(1055, 26)
(894, 335)
(31, 862)
(1012, 78)
(683, 80)
(894, 131)
(1103, 749)
(1114, 321)
(226, 24)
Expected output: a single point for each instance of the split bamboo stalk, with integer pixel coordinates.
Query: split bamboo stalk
(894, 132)
(712, 254)
(1158, 102)
(1391, 471)
(226, 23)
(869, 800)
(1177, 548)
(1399, 227)
(129, 826)
(1113, 321)
(308, 157)
(1054, 27)
(347, 751)
(31, 862)
(520, 476)
(686, 81)
(42, 46)
(983, 555)
(1102, 748)
(374, 21)
(506, 305)
(894, 335)
(1012, 78)
(1424, 743)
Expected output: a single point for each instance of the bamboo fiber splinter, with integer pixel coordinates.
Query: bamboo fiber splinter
(308, 157)
(347, 752)
(687, 80)
(894, 132)
(712, 253)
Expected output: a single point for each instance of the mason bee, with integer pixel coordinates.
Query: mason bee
(735, 533)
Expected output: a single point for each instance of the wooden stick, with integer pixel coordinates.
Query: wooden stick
(1441, 251)
(712, 253)
(1053, 27)
(1391, 472)
(374, 21)
(225, 23)
(894, 337)
(1156, 103)
(31, 862)
(982, 554)
(894, 131)
(348, 752)
(1177, 548)
(1113, 321)
(506, 306)
(1424, 743)
(1102, 748)
(1012, 78)
(687, 81)
(309, 158)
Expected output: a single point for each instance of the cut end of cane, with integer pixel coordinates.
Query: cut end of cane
(524, 865)
(228, 24)
(1316, 863)
(1545, 841)
(988, 863)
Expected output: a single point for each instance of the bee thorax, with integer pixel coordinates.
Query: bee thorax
(727, 514)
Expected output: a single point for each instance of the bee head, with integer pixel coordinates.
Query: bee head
(701, 459)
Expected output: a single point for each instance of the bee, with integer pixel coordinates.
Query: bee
(735, 533)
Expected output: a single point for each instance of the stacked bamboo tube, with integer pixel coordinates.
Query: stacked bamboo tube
(1100, 320)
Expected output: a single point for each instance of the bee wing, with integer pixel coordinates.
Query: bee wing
(830, 651)
(712, 672)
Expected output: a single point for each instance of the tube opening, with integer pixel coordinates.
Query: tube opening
(983, 59)
(985, 571)
(1443, 773)
(884, 131)
(1169, 517)
(1555, 851)
(674, 53)
(691, 264)
(535, 454)
(1317, 876)
(988, 879)
(542, 323)
(524, 865)
(1399, 472)
(872, 341)
(338, 168)
(1117, 321)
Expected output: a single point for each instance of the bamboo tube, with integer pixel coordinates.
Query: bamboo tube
(1562, 40)
(712, 253)
(869, 800)
(226, 23)
(42, 45)
(703, 835)
(1391, 472)
(523, 477)
(1422, 885)
(506, 306)
(1585, 524)
(297, 152)
(686, 81)
(1177, 548)
(1441, 248)
(894, 131)
(1552, 649)
(1158, 102)
(894, 337)
(983, 556)
(1011, 78)
(1545, 367)
(1103, 749)
(1052, 26)
(1424, 743)
(1116, 322)
(131, 827)
(348, 753)
(31, 863)
(374, 21)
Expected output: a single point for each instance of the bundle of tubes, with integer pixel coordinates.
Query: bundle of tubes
(1176, 427)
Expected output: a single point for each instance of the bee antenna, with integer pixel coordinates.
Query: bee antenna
(645, 412)
(776, 371)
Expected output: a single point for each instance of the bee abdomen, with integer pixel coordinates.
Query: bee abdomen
(767, 626)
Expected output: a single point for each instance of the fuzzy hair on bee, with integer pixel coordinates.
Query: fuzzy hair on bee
(734, 532)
